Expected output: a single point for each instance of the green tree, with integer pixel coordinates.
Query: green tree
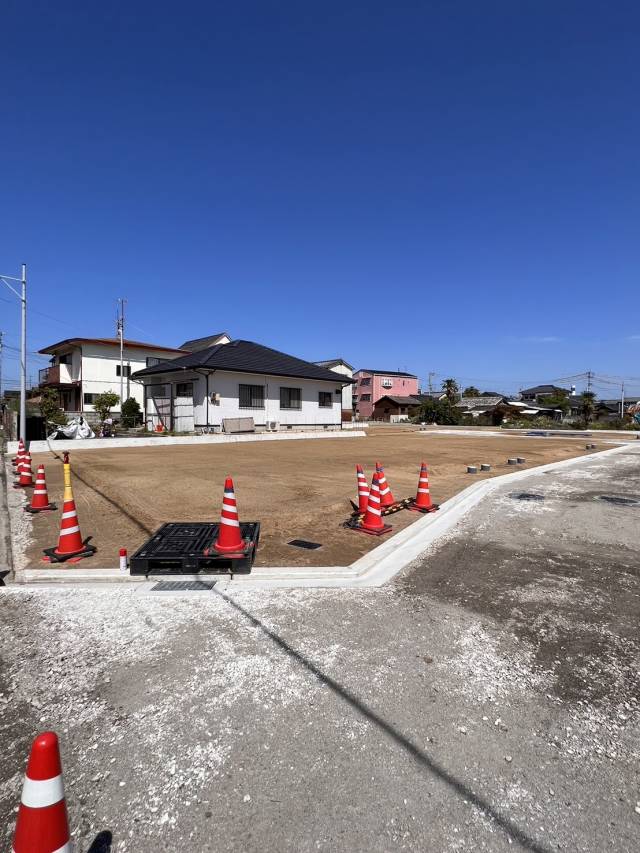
(50, 408)
(471, 391)
(556, 401)
(587, 407)
(439, 412)
(451, 389)
(103, 403)
(131, 414)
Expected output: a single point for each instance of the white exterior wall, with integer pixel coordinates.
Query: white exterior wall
(99, 374)
(347, 391)
(226, 385)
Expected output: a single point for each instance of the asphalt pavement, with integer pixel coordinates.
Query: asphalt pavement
(487, 699)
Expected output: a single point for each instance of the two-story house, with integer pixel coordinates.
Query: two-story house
(372, 385)
(81, 368)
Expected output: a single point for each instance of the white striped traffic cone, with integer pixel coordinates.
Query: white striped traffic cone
(42, 825)
(386, 497)
(40, 496)
(229, 537)
(363, 489)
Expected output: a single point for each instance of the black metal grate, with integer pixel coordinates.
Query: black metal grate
(180, 586)
(302, 543)
(526, 496)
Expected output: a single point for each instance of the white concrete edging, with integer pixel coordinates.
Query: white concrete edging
(372, 570)
(217, 438)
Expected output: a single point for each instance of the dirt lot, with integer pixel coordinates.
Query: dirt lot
(297, 489)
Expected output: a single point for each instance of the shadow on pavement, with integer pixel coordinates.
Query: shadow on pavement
(422, 758)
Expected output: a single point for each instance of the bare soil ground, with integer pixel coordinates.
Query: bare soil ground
(297, 489)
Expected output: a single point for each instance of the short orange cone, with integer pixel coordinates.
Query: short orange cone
(26, 477)
(422, 501)
(372, 522)
(42, 825)
(40, 497)
(386, 497)
(21, 451)
(70, 542)
(363, 489)
(229, 538)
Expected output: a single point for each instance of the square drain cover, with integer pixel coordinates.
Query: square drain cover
(302, 543)
(183, 586)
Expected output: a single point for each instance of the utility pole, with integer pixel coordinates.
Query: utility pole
(22, 296)
(431, 375)
(621, 399)
(589, 378)
(120, 331)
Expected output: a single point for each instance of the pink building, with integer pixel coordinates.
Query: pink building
(371, 385)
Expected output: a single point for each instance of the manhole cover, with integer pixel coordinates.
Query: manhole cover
(183, 586)
(619, 501)
(302, 543)
(526, 496)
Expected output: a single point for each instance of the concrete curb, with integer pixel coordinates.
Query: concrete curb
(372, 570)
(111, 443)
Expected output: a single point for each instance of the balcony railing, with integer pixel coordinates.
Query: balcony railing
(57, 374)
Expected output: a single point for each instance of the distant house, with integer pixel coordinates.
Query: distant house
(610, 410)
(339, 365)
(499, 408)
(532, 395)
(394, 409)
(82, 368)
(372, 385)
(202, 343)
(241, 380)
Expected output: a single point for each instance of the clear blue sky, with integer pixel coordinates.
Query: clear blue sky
(446, 186)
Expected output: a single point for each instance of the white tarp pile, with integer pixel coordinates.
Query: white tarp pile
(76, 428)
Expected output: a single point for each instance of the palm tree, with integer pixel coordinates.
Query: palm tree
(587, 407)
(451, 389)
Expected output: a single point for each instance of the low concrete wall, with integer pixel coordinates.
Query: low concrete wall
(111, 443)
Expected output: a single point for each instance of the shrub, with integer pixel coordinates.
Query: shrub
(103, 403)
(131, 414)
(50, 408)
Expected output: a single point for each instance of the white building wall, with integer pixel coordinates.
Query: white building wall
(347, 391)
(99, 370)
(226, 385)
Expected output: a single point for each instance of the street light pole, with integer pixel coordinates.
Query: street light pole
(23, 358)
(22, 296)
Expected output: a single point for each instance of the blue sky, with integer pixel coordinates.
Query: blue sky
(434, 186)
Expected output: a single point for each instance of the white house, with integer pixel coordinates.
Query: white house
(81, 368)
(241, 380)
(339, 365)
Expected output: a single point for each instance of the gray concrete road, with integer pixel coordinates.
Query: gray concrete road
(486, 700)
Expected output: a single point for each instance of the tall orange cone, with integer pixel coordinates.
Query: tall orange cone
(372, 522)
(21, 451)
(229, 538)
(363, 489)
(386, 497)
(24, 470)
(40, 497)
(422, 501)
(70, 542)
(42, 825)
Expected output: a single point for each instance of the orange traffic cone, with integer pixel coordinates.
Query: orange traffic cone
(24, 470)
(422, 501)
(42, 824)
(229, 538)
(363, 489)
(21, 451)
(70, 543)
(372, 523)
(40, 497)
(386, 498)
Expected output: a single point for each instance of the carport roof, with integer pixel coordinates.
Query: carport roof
(245, 357)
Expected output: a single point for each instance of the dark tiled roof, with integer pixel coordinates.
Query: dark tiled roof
(386, 372)
(109, 342)
(399, 401)
(478, 402)
(245, 357)
(202, 343)
(543, 389)
(332, 363)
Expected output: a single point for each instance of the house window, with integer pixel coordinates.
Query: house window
(290, 398)
(64, 359)
(251, 396)
(184, 389)
(366, 398)
(325, 400)
(126, 370)
(388, 383)
(366, 381)
(88, 399)
(152, 360)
